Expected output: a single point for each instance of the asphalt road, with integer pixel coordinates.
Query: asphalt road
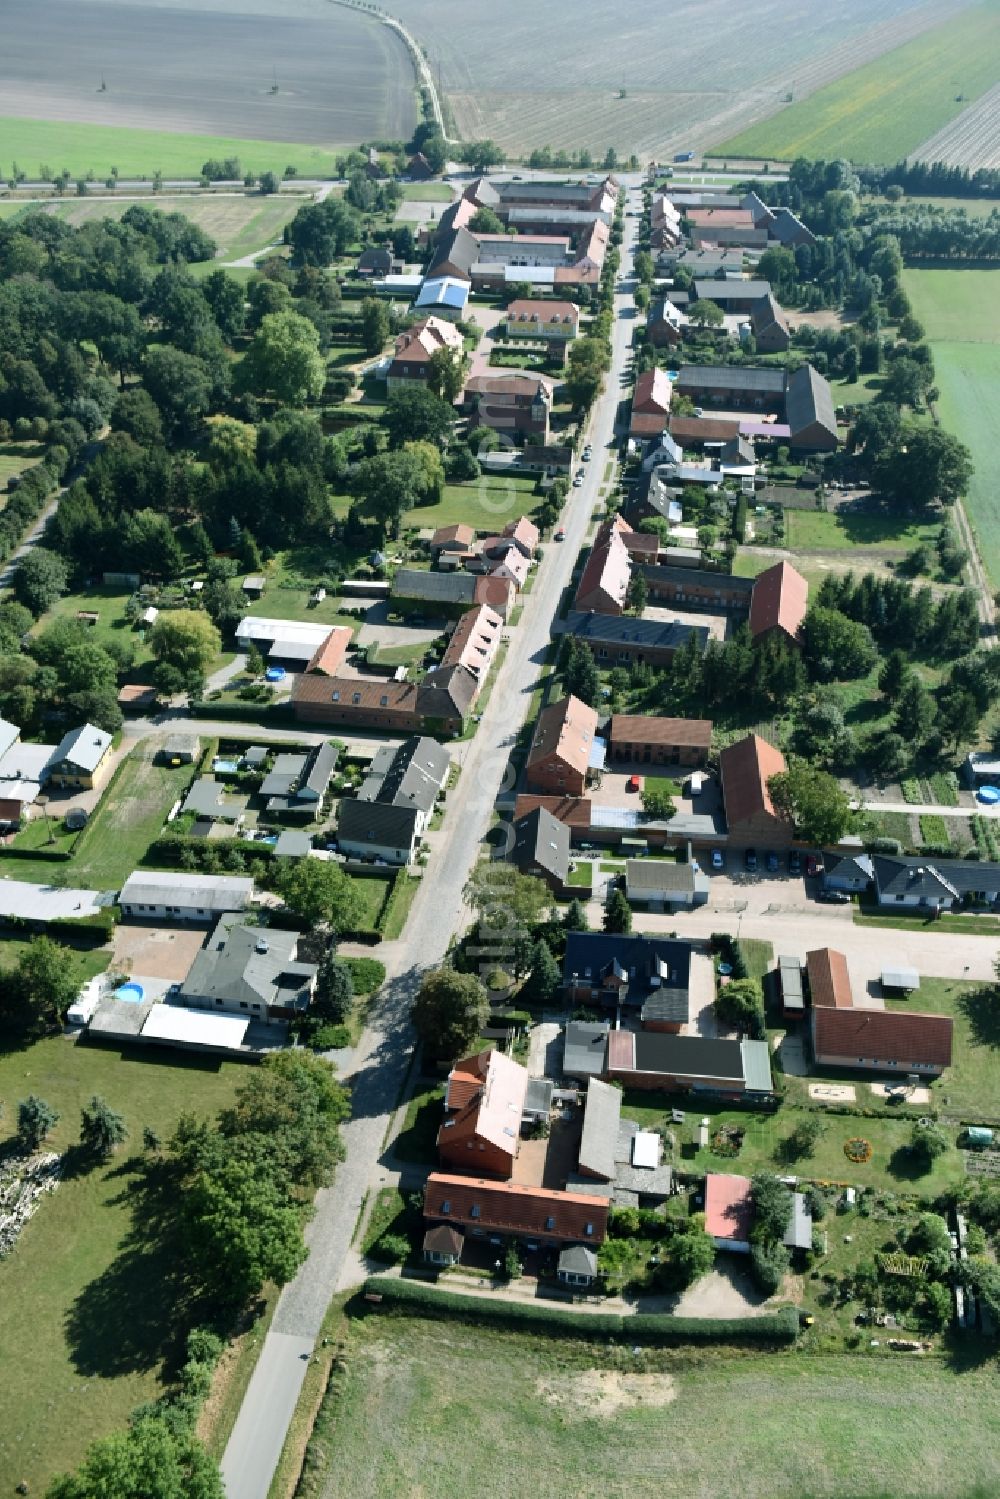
(383, 1057)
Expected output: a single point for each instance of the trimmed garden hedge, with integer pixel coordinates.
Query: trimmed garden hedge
(408, 1295)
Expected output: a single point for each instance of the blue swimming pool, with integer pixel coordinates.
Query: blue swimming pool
(226, 767)
(989, 794)
(132, 993)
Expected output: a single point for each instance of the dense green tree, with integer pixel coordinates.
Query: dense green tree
(618, 913)
(416, 414)
(284, 360)
(322, 232)
(657, 798)
(334, 989)
(545, 977)
(690, 1254)
(740, 1004)
(320, 894)
(226, 300)
(241, 1230)
(772, 1208)
(445, 375)
(928, 466)
(102, 1130)
(136, 413)
(375, 325)
(35, 1120)
(927, 1142)
(706, 314)
(768, 1263)
(40, 579)
(291, 1106)
(575, 919)
(186, 642)
(182, 388)
(153, 1456)
(814, 800)
(450, 1011)
(836, 647)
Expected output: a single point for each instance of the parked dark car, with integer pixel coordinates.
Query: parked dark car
(794, 862)
(834, 897)
(812, 865)
(750, 859)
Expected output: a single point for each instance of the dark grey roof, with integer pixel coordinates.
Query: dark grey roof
(651, 965)
(444, 588)
(321, 765)
(252, 964)
(408, 776)
(934, 877)
(700, 576)
(378, 823)
(786, 227)
(601, 1117)
(292, 844)
(297, 782)
(538, 1095)
(208, 798)
(255, 755)
(687, 1056)
(584, 1048)
(731, 291)
(543, 214)
(731, 377)
(458, 249)
(283, 775)
(809, 400)
(577, 1260)
(541, 839)
(849, 865)
(765, 312)
(625, 629)
(447, 692)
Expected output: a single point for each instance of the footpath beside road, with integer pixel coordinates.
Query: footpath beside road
(384, 1054)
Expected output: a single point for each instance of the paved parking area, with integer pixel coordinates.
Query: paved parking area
(164, 952)
(377, 628)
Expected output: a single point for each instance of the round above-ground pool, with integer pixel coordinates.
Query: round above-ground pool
(989, 794)
(132, 993)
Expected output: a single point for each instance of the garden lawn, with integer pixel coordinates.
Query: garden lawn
(277, 602)
(83, 148)
(374, 890)
(131, 813)
(783, 1425)
(15, 457)
(398, 909)
(424, 1112)
(84, 1324)
(109, 604)
(427, 192)
(970, 1089)
(882, 111)
(84, 965)
(240, 224)
(821, 530)
(487, 504)
(889, 1168)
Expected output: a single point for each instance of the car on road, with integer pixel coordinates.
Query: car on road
(813, 865)
(718, 861)
(560, 535)
(771, 860)
(578, 481)
(588, 453)
(750, 859)
(634, 783)
(833, 897)
(794, 862)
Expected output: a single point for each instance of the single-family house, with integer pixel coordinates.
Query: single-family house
(443, 1245)
(577, 1267)
(646, 973)
(297, 782)
(459, 538)
(418, 168)
(389, 815)
(168, 895)
(850, 872)
(729, 1214)
(82, 758)
(778, 603)
(510, 403)
(562, 748)
(536, 1217)
(665, 323)
(604, 583)
(524, 534)
(251, 970)
(937, 884)
(475, 641)
(894, 1041)
(745, 768)
(650, 740)
(484, 1103)
(378, 260)
(416, 346)
(541, 847)
(666, 883)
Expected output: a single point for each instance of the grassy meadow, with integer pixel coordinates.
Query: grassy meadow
(885, 109)
(960, 310)
(542, 1418)
(239, 223)
(87, 1320)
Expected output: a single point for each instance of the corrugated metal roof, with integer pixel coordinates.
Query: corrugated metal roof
(756, 1066)
(601, 1116)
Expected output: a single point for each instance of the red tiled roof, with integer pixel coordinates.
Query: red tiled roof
(720, 218)
(728, 1207)
(829, 980)
(546, 311)
(574, 811)
(494, 591)
(474, 640)
(492, 1110)
(652, 388)
(780, 598)
(899, 1036)
(745, 769)
(703, 429)
(466, 1078)
(464, 535)
(621, 1051)
(510, 1208)
(329, 657)
(608, 571)
(636, 728)
(565, 729)
(369, 691)
(647, 424)
(523, 531)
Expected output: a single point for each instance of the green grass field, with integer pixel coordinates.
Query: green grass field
(972, 1083)
(884, 110)
(79, 149)
(130, 815)
(417, 1397)
(85, 1322)
(427, 192)
(820, 530)
(487, 504)
(961, 311)
(15, 457)
(240, 225)
(108, 603)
